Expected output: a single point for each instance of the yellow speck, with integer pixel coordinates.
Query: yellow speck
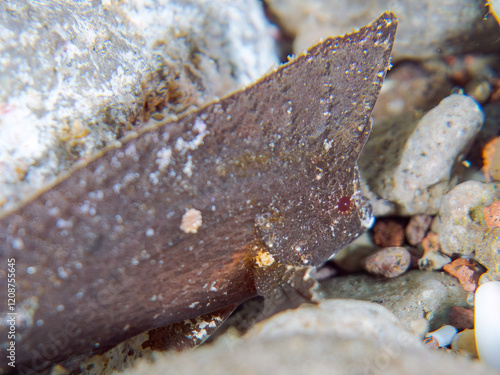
(264, 259)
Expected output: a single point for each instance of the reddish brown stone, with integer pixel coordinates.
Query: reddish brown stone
(388, 262)
(461, 318)
(492, 214)
(417, 228)
(388, 232)
(466, 271)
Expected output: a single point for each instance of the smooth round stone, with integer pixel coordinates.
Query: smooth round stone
(487, 323)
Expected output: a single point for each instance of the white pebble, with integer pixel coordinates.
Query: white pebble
(443, 335)
(487, 323)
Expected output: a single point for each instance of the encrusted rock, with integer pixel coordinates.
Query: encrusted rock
(462, 227)
(410, 162)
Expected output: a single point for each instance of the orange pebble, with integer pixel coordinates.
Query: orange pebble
(488, 153)
(492, 214)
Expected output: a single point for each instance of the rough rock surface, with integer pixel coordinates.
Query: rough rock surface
(412, 297)
(463, 230)
(410, 163)
(77, 75)
(335, 337)
(427, 28)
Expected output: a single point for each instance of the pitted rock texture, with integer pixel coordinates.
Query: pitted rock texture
(463, 230)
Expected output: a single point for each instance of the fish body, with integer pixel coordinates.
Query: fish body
(171, 222)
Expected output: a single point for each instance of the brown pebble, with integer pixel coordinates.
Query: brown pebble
(387, 262)
(417, 228)
(461, 318)
(466, 271)
(388, 232)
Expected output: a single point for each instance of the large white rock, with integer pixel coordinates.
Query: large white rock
(75, 76)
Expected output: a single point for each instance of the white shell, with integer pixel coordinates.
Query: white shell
(487, 323)
(443, 335)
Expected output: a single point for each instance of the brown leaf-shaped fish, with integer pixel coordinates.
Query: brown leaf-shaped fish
(163, 226)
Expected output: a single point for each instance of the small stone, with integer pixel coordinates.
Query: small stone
(388, 262)
(479, 90)
(417, 228)
(388, 232)
(461, 317)
(465, 343)
(443, 335)
(466, 271)
(433, 261)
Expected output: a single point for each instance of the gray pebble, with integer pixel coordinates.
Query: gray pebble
(409, 162)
